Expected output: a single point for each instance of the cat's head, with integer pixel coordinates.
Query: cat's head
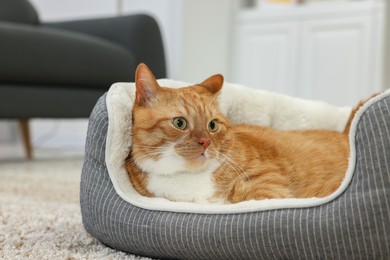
(177, 130)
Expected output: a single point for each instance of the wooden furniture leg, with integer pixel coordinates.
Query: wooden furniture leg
(24, 127)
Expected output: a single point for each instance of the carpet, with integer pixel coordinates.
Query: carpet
(40, 213)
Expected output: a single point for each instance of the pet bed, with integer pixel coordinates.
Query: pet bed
(353, 222)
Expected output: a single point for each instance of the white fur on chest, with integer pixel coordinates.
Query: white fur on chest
(189, 187)
(168, 177)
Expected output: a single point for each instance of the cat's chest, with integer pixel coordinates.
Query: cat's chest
(189, 187)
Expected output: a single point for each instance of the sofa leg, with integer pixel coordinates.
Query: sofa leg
(24, 127)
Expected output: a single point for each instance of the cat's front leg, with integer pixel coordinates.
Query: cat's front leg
(218, 200)
(261, 186)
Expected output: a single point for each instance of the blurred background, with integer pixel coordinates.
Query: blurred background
(330, 50)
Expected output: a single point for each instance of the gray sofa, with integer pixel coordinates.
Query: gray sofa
(59, 70)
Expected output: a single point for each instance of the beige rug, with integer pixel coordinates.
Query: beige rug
(40, 214)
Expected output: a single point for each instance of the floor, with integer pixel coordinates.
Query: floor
(40, 214)
(51, 139)
(14, 152)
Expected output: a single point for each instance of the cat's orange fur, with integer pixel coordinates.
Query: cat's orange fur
(256, 162)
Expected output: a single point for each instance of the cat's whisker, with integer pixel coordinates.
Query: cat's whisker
(231, 160)
(149, 155)
(229, 172)
(225, 160)
(148, 147)
(238, 169)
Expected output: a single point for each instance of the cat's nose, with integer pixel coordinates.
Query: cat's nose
(205, 142)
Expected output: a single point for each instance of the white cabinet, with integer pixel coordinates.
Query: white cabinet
(330, 53)
(336, 60)
(265, 56)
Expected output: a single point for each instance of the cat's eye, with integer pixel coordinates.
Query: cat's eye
(213, 126)
(180, 123)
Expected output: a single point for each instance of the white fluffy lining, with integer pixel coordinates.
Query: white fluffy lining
(242, 105)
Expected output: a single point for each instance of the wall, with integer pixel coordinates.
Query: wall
(8, 131)
(196, 34)
(205, 38)
(50, 10)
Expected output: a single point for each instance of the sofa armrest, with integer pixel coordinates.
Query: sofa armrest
(18, 11)
(36, 55)
(139, 33)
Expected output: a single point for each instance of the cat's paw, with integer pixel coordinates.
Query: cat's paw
(218, 201)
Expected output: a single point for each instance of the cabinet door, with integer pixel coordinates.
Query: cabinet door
(336, 60)
(264, 56)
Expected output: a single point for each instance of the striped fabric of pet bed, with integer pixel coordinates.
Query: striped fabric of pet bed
(353, 225)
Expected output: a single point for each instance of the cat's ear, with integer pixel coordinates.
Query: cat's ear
(146, 85)
(214, 83)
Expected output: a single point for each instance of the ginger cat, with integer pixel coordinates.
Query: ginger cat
(184, 149)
